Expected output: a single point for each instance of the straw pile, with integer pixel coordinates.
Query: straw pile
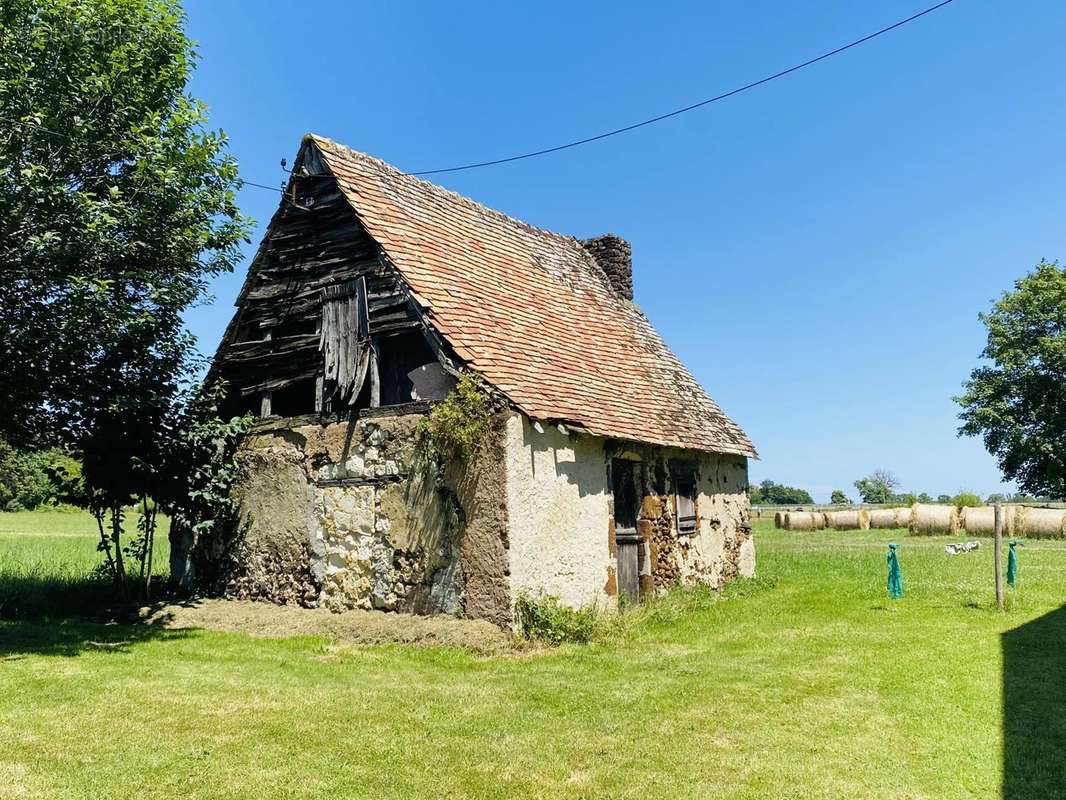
(881, 518)
(857, 520)
(1042, 523)
(930, 519)
(981, 520)
(903, 517)
(779, 520)
(804, 521)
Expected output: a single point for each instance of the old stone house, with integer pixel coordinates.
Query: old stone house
(606, 470)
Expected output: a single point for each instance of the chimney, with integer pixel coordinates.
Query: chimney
(615, 257)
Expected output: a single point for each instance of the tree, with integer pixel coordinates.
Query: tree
(116, 203)
(995, 497)
(925, 498)
(1017, 402)
(966, 500)
(770, 493)
(838, 498)
(877, 487)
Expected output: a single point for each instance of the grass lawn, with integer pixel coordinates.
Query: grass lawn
(808, 682)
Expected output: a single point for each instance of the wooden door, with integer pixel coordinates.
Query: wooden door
(629, 568)
(625, 489)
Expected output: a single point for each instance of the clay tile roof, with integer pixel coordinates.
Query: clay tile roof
(532, 312)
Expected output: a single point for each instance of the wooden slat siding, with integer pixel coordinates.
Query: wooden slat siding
(303, 253)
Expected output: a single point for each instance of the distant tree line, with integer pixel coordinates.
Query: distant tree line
(878, 488)
(776, 494)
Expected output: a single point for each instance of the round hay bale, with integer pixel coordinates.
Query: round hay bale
(805, 520)
(881, 518)
(1042, 523)
(779, 520)
(903, 517)
(932, 519)
(981, 520)
(854, 520)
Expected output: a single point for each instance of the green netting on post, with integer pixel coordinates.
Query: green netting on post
(1012, 564)
(895, 576)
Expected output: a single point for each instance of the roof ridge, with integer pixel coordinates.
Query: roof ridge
(436, 188)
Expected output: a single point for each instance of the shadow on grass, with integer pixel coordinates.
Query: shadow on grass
(47, 615)
(1034, 708)
(75, 637)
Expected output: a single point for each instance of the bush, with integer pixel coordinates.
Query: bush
(547, 620)
(24, 483)
(456, 425)
(966, 500)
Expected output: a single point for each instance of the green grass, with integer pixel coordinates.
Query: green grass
(808, 682)
(46, 561)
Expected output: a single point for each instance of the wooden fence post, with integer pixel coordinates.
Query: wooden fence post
(998, 550)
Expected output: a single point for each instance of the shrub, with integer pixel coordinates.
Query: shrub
(24, 483)
(456, 425)
(966, 500)
(547, 620)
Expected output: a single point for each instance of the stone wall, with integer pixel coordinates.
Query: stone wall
(721, 546)
(363, 519)
(356, 516)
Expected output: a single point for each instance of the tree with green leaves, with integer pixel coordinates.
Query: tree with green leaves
(1017, 401)
(776, 494)
(117, 207)
(117, 204)
(877, 487)
(838, 498)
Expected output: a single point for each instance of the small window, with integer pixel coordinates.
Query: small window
(626, 497)
(685, 487)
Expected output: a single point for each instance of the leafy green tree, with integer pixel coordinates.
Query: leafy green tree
(24, 483)
(995, 497)
(877, 487)
(966, 500)
(1017, 402)
(904, 499)
(943, 498)
(770, 493)
(116, 202)
(838, 498)
(925, 498)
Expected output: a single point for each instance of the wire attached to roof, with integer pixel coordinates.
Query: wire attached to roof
(688, 108)
(616, 131)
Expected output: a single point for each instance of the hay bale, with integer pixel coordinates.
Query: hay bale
(1042, 523)
(932, 519)
(882, 518)
(854, 520)
(805, 521)
(981, 520)
(903, 517)
(779, 520)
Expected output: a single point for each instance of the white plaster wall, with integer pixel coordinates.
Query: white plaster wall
(723, 498)
(557, 513)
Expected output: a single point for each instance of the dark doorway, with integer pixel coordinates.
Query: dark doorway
(625, 488)
(1034, 708)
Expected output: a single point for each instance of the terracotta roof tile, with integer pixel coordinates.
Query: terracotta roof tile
(532, 312)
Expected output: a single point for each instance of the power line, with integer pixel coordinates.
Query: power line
(616, 131)
(688, 108)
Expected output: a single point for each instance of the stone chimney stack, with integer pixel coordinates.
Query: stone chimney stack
(615, 257)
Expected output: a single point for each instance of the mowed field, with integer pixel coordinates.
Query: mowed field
(807, 682)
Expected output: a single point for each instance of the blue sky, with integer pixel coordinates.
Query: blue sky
(816, 250)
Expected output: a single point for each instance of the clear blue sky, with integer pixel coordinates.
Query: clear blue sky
(816, 250)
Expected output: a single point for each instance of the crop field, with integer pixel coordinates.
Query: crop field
(806, 682)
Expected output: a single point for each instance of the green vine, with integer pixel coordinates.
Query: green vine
(455, 427)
